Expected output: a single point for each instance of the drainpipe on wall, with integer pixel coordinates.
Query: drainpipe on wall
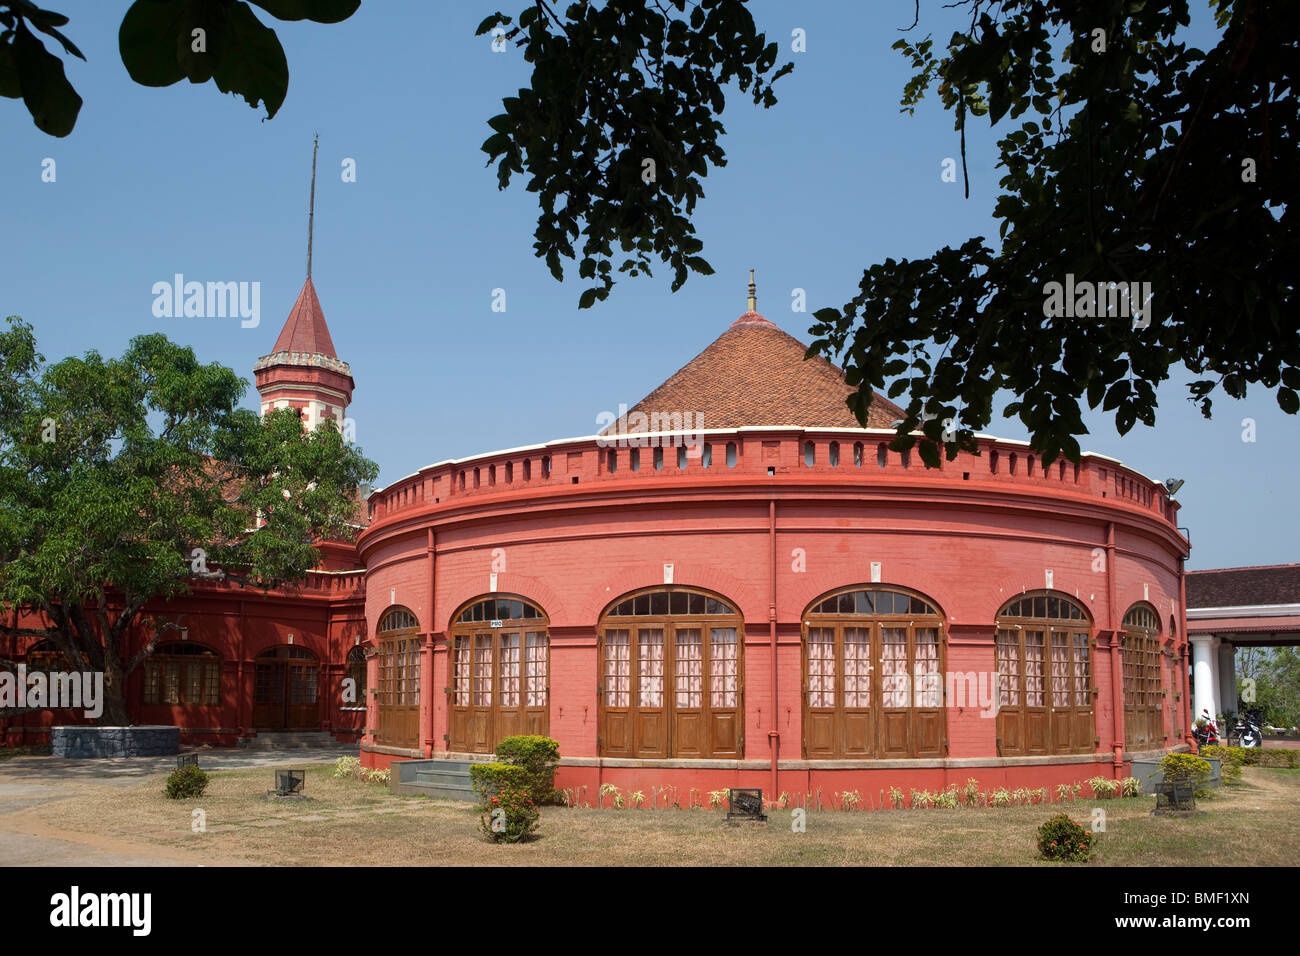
(773, 735)
(428, 684)
(1116, 665)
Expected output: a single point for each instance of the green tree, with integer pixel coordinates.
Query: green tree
(124, 480)
(161, 42)
(1276, 675)
(1129, 157)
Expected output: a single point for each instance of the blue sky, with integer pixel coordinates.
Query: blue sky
(834, 178)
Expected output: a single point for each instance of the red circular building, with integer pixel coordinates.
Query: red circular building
(736, 585)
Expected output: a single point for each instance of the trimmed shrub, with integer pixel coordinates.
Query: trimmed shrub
(1184, 767)
(490, 779)
(538, 757)
(188, 781)
(511, 816)
(1060, 838)
(1252, 757)
(1230, 760)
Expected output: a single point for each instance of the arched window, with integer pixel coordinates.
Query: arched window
(397, 619)
(500, 680)
(671, 675)
(1144, 701)
(1045, 692)
(398, 697)
(45, 657)
(183, 674)
(873, 664)
(356, 672)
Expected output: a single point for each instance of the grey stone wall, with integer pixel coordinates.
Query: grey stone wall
(144, 741)
(1148, 771)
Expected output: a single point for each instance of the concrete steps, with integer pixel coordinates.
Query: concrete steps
(438, 779)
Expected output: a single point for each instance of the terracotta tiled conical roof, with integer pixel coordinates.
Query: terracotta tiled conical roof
(756, 374)
(305, 330)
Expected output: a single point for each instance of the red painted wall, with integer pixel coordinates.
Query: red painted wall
(967, 537)
(325, 616)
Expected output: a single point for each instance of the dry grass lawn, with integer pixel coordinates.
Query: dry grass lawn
(349, 823)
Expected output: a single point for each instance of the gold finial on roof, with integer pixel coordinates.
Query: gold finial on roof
(753, 296)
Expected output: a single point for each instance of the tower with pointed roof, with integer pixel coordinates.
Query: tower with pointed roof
(302, 370)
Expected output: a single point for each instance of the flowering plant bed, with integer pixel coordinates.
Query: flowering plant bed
(1061, 838)
(511, 816)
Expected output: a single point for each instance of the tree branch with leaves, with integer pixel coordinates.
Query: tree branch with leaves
(125, 481)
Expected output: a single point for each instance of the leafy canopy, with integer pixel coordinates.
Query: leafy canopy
(161, 42)
(1275, 688)
(1129, 157)
(619, 126)
(114, 471)
(1129, 164)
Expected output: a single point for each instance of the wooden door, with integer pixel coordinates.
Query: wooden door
(286, 687)
(1037, 714)
(1083, 726)
(873, 689)
(1059, 693)
(821, 693)
(302, 710)
(689, 712)
(1010, 726)
(1143, 670)
(616, 739)
(858, 730)
(895, 693)
(268, 695)
(536, 702)
(928, 712)
(482, 693)
(650, 718)
(671, 677)
(507, 714)
(398, 722)
(722, 694)
(500, 687)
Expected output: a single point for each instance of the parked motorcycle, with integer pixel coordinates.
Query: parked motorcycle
(1247, 732)
(1206, 731)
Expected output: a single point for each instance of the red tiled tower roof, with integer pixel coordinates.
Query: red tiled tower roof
(756, 374)
(305, 330)
(302, 369)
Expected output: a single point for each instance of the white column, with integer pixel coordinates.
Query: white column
(1205, 677)
(1227, 677)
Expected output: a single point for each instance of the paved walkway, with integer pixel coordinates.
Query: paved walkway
(20, 768)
